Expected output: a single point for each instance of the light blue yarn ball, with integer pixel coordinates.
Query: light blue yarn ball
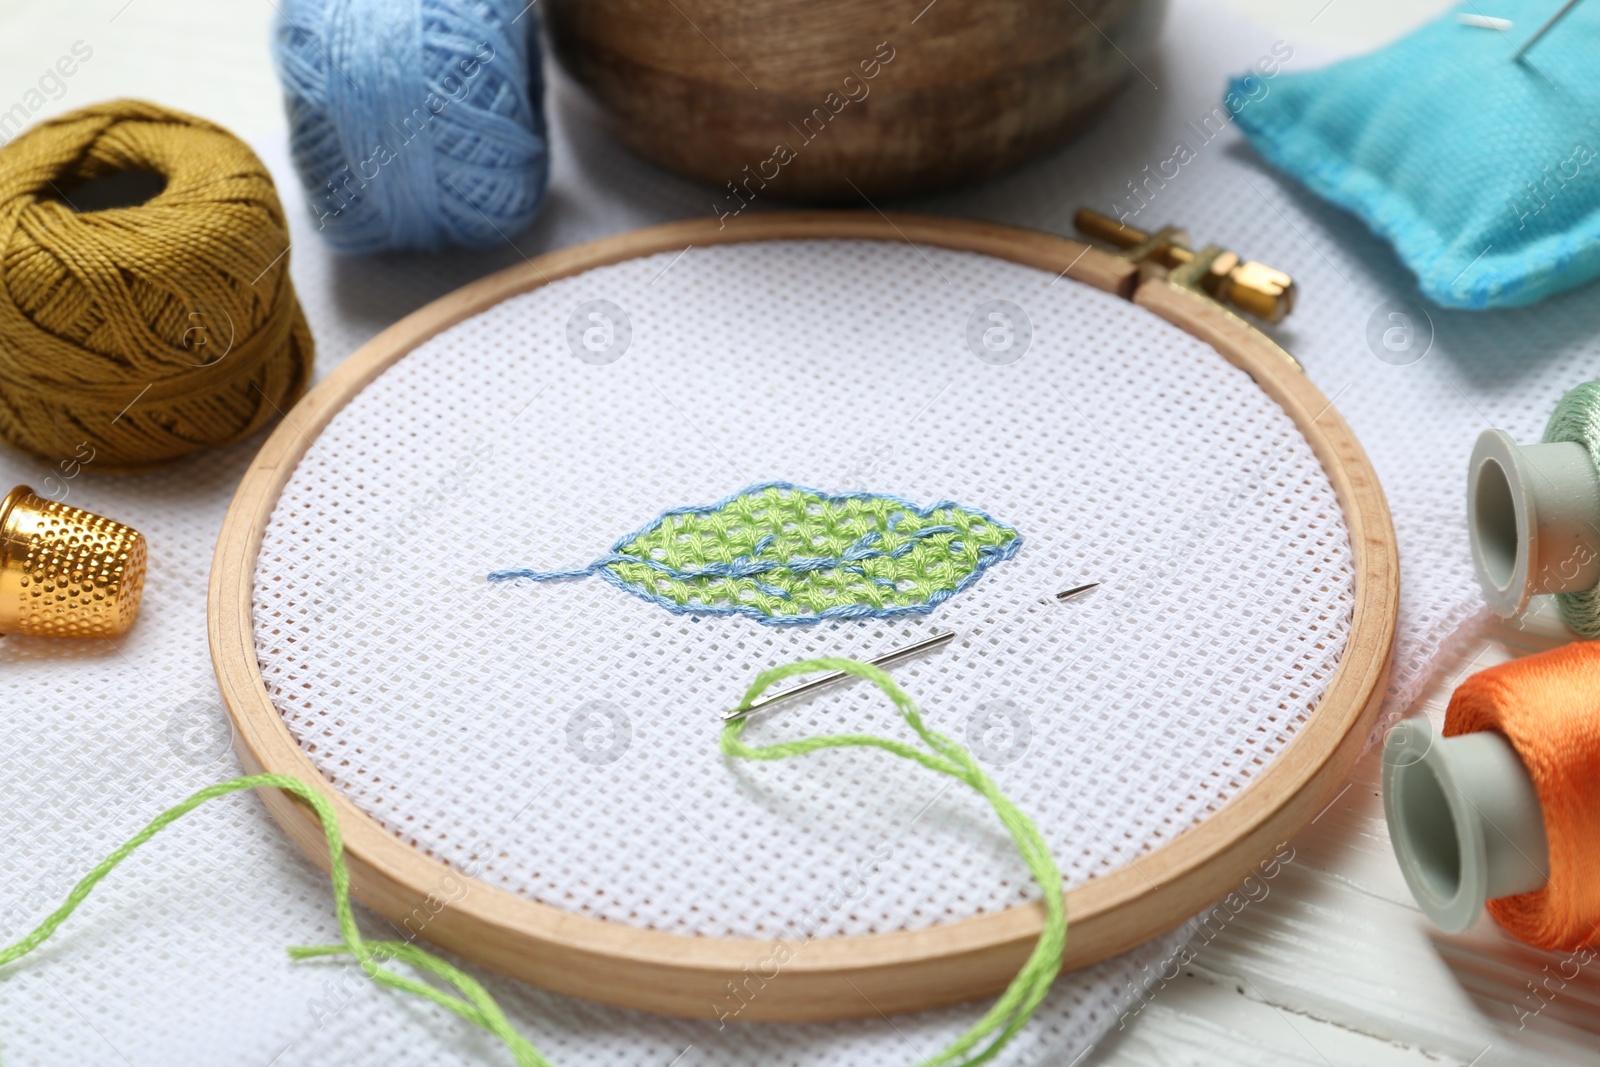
(414, 123)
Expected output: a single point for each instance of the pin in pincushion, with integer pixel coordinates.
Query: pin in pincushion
(1483, 171)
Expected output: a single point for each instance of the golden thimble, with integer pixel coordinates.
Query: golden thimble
(66, 572)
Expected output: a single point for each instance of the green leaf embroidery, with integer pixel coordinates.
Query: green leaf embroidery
(785, 555)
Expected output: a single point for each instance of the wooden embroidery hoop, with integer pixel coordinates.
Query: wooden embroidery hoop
(907, 970)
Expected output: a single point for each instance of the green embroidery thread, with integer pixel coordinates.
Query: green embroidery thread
(1004, 1020)
(787, 555)
(474, 1004)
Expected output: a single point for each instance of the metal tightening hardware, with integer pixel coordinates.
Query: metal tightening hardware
(1263, 291)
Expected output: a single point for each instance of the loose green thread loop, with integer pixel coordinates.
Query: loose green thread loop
(1022, 997)
(1004, 1020)
(475, 1004)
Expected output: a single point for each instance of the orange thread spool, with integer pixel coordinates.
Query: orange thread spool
(1548, 707)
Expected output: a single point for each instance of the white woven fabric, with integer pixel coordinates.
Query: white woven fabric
(457, 713)
(178, 957)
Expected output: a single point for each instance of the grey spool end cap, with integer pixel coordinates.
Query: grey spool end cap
(1464, 820)
(1533, 515)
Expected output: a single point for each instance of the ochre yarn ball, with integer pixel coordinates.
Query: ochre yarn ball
(139, 334)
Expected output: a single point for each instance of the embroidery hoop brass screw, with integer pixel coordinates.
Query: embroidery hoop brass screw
(1263, 291)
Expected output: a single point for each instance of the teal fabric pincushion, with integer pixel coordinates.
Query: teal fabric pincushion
(1482, 170)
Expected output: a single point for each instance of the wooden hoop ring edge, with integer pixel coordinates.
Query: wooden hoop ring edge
(908, 970)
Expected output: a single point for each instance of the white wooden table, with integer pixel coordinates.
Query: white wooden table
(1335, 965)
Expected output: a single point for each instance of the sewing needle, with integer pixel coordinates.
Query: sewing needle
(838, 676)
(1557, 17)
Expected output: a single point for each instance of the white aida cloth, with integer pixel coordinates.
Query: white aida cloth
(178, 958)
(562, 735)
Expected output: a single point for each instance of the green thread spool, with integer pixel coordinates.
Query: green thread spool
(1004, 1020)
(1534, 514)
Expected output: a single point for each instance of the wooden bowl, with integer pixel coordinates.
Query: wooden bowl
(832, 100)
